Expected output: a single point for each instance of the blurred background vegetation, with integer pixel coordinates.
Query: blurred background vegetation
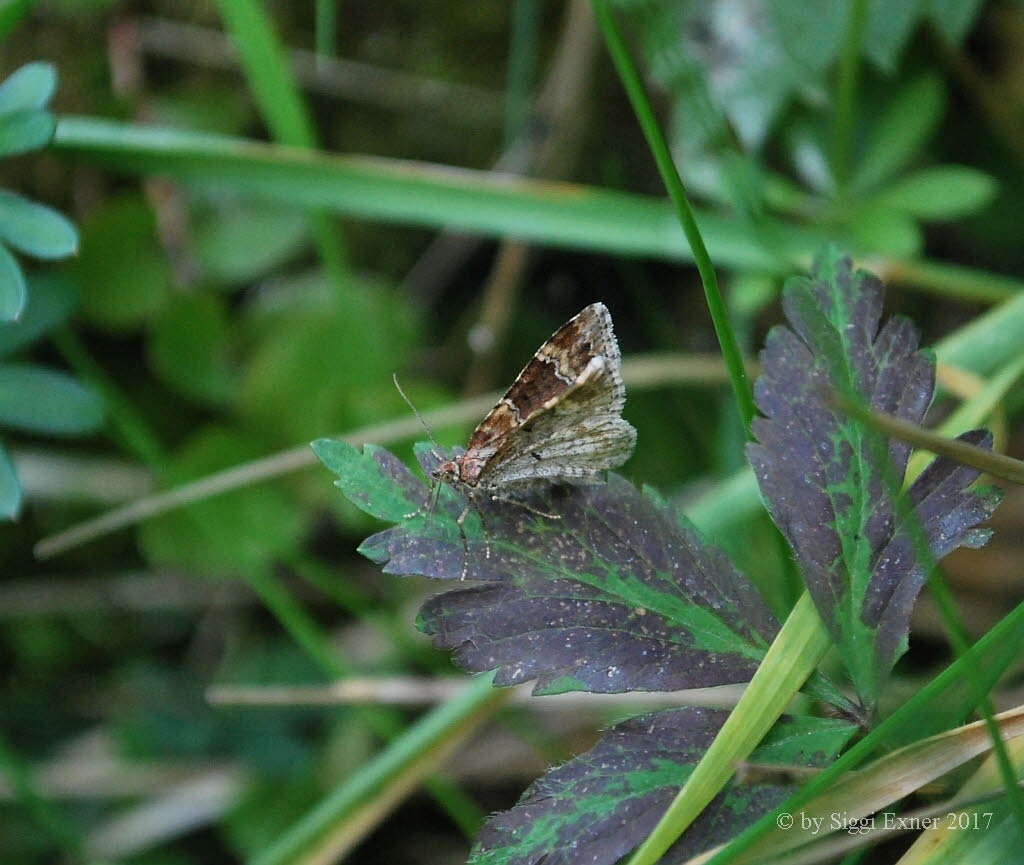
(207, 305)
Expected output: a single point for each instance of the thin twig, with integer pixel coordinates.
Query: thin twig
(419, 691)
(984, 460)
(330, 76)
(136, 592)
(647, 371)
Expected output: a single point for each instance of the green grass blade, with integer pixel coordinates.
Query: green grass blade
(326, 27)
(999, 465)
(11, 12)
(793, 656)
(266, 68)
(422, 194)
(973, 412)
(741, 388)
(1007, 632)
(267, 72)
(543, 212)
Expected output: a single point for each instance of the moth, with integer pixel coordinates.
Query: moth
(559, 422)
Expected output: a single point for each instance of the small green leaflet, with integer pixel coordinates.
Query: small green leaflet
(599, 806)
(616, 595)
(818, 476)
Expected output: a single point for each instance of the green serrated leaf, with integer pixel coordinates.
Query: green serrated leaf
(37, 399)
(10, 487)
(368, 480)
(819, 471)
(25, 130)
(35, 229)
(901, 132)
(599, 806)
(187, 346)
(616, 594)
(49, 303)
(31, 86)
(12, 287)
(940, 192)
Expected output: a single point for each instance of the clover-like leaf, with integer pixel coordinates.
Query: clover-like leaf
(35, 229)
(49, 303)
(819, 474)
(599, 806)
(25, 130)
(39, 399)
(29, 86)
(616, 594)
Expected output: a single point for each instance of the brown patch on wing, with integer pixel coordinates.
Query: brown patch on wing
(553, 369)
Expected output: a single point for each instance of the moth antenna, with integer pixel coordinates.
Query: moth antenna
(415, 411)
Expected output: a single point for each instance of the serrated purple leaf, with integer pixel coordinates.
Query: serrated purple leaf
(817, 471)
(615, 594)
(601, 805)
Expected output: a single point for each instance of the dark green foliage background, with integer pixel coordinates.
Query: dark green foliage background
(197, 328)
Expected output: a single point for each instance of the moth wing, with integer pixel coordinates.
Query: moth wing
(557, 367)
(574, 435)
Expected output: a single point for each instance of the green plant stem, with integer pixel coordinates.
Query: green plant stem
(677, 193)
(280, 102)
(792, 657)
(731, 354)
(323, 831)
(1008, 634)
(972, 412)
(846, 95)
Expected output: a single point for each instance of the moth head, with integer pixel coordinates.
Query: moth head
(447, 471)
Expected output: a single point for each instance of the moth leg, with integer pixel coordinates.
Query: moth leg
(465, 540)
(486, 531)
(526, 507)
